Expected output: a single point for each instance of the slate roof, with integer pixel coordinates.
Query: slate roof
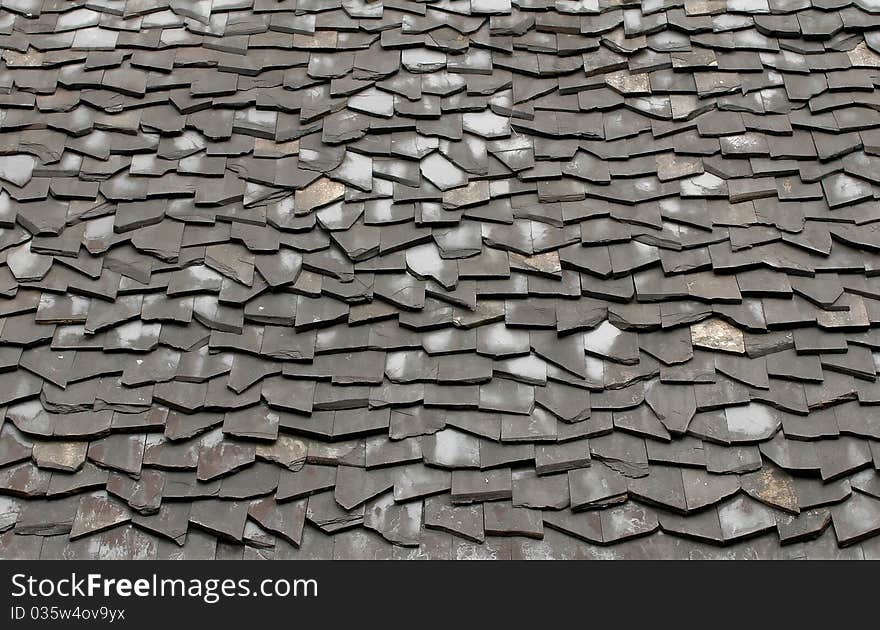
(453, 279)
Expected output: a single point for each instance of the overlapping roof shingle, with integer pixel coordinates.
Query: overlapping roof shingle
(454, 279)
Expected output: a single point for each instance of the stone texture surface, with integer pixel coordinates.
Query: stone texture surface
(468, 279)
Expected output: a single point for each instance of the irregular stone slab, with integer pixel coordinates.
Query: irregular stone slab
(702, 489)
(24, 480)
(717, 335)
(309, 480)
(287, 450)
(232, 261)
(254, 423)
(144, 495)
(398, 523)
(259, 479)
(702, 526)
(773, 486)
(86, 478)
(65, 456)
(96, 513)
(742, 516)
(452, 449)
(804, 526)
(14, 447)
(17, 169)
(120, 452)
(585, 526)
(171, 522)
(462, 520)
(318, 194)
(856, 519)
(355, 485)
(326, 514)
(545, 492)
(560, 457)
(608, 341)
(626, 521)
(46, 518)
(9, 511)
(502, 519)
(416, 480)
(477, 486)
(285, 520)
(220, 456)
(225, 519)
(663, 486)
